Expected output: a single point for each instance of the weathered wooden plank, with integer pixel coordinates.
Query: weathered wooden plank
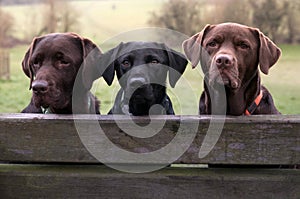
(243, 140)
(38, 181)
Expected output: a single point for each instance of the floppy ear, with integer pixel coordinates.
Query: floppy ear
(192, 46)
(269, 53)
(107, 63)
(26, 65)
(91, 60)
(109, 71)
(177, 62)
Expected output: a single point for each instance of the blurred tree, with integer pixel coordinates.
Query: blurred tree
(279, 19)
(60, 16)
(181, 15)
(293, 22)
(69, 17)
(268, 15)
(232, 11)
(6, 21)
(51, 17)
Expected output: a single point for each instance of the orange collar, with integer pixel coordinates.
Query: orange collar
(250, 110)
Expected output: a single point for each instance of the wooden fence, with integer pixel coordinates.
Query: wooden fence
(4, 64)
(43, 156)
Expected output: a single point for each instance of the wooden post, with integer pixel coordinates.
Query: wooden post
(4, 64)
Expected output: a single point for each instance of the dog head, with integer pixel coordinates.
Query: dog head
(142, 68)
(52, 63)
(230, 53)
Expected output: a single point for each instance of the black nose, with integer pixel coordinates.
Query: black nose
(40, 86)
(224, 60)
(136, 82)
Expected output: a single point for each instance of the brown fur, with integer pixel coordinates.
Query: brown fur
(52, 63)
(229, 54)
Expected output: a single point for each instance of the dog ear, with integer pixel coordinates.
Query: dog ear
(107, 61)
(93, 68)
(192, 46)
(177, 62)
(26, 65)
(269, 53)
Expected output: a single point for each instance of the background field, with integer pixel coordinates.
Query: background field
(102, 20)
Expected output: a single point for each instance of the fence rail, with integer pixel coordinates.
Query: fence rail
(44, 156)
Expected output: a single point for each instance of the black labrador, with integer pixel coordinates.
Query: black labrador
(142, 69)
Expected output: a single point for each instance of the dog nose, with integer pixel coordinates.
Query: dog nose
(136, 82)
(40, 86)
(224, 60)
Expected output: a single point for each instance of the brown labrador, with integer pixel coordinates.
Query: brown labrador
(229, 54)
(52, 63)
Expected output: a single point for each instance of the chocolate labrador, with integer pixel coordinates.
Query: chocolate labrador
(142, 69)
(229, 54)
(52, 63)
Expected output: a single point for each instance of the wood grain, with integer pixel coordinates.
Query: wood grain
(43, 156)
(83, 181)
(253, 140)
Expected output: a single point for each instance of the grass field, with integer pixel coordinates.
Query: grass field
(99, 21)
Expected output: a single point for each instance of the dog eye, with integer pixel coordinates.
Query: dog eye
(154, 61)
(36, 63)
(64, 62)
(126, 63)
(243, 45)
(212, 44)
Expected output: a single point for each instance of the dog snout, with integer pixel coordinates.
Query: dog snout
(40, 86)
(136, 82)
(224, 60)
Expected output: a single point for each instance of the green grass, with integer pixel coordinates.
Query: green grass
(100, 22)
(14, 93)
(283, 80)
